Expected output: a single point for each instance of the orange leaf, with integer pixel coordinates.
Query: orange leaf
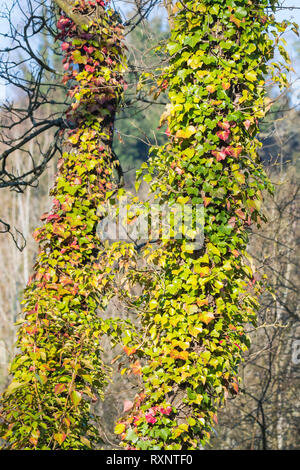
(211, 88)
(201, 302)
(129, 351)
(136, 368)
(206, 317)
(60, 437)
(207, 201)
(235, 20)
(225, 86)
(64, 280)
(34, 437)
(179, 354)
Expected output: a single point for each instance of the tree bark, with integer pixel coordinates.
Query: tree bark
(68, 7)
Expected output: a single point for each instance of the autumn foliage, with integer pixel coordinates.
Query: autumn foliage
(190, 335)
(196, 304)
(59, 371)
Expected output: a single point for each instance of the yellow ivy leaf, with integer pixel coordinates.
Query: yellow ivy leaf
(195, 331)
(60, 437)
(213, 249)
(202, 270)
(206, 317)
(251, 76)
(75, 397)
(190, 309)
(186, 133)
(120, 428)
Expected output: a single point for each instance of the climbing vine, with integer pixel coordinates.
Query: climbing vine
(58, 372)
(196, 303)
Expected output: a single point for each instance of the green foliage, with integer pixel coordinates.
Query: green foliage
(195, 305)
(58, 372)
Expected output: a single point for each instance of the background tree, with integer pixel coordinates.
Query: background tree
(266, 414)
(32, 70)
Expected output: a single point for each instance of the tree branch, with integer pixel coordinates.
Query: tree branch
(169, 7)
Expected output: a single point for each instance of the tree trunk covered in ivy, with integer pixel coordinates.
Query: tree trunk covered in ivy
(196, 303)
(193, 305)
(58, 371)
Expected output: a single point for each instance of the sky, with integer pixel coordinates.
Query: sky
(293, 43)
(293, 14)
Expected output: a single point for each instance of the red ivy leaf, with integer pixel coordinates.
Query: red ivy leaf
(220, 155)
(223, 135)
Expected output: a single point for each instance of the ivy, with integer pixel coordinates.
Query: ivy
(190, 336)
(196, 304)
(59, 373)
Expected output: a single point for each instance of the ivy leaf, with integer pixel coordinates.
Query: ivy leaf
(129, 351)
(120, 428)
(214, 9)
(143, 445)
(184, 355)
(136, 368)
(206, 356)
(206, 317)
(60, 437)
(147, 178)
(251, 76)
(78, 58)
(186, 133)
(241, 13)
(164, 433)
(213, 249)
(192, 395)
(240, 177)
(75, 397)
(132, 436)
(173, 288)
(235, 20)
(190, 309)
(193, 40)
(173, 47)
(13, 387)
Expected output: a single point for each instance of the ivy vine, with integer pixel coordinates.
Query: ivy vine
(196, 304)
(58, 372)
